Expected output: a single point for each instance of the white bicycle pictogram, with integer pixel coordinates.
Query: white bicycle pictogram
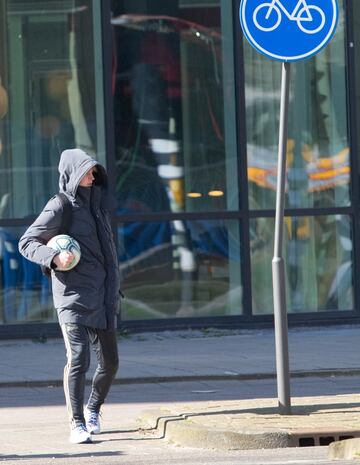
(309, 18)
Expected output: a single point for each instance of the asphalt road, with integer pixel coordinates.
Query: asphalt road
(34, 430)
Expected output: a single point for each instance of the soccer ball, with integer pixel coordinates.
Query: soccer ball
(63, 242)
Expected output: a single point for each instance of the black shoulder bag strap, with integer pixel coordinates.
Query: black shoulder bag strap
(66, 213)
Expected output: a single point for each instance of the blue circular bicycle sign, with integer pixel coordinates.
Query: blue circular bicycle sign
(288, 30)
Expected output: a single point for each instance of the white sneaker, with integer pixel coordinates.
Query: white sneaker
(92, 420)
(80, 435)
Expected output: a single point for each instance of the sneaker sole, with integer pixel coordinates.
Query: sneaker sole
(88, 441)
(96, 431)
(85, 441)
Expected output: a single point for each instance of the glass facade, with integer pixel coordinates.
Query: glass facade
(195, 192)
(180, 269)
(318, 257)
(175, 125)
(52, 76)
(25, 294)
(318, 154)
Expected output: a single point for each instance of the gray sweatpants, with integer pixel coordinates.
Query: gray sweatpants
(77, 340)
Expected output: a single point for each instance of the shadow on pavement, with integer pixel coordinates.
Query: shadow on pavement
(58, 456)
(185, 391)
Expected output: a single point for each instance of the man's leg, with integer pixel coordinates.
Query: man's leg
(78, 359)
(105, 346)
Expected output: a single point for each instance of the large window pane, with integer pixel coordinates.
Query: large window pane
(180, 269)
(318, 170)
(174, 108)
(318, 260)
(51, 73)
(25, 293)
(355, 6)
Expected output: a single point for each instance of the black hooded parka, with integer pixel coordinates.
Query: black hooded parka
(89, 293)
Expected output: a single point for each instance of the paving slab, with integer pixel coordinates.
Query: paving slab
(193, 354)
(256, 423)
(329, 355)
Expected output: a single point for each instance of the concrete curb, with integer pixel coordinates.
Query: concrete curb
(188, 378)
(255, 424)
(187, 434)
(183, 432)
(347, 450)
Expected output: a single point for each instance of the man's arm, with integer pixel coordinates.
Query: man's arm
(32, 245)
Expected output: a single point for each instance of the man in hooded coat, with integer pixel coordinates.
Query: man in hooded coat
(86, 297)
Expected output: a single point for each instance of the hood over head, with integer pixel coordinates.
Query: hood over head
(73, 165)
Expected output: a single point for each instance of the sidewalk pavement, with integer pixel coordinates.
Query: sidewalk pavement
(192, 355)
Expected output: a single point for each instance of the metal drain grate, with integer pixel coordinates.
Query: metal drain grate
(311, 440)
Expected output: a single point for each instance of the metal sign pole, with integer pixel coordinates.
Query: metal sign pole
(285, 37)
(278, 267)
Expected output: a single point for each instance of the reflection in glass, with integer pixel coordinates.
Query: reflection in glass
(318, 260)
(318, 165)
(47, 68)
(165, 274)
(25, 293)
(174, 106)
(355, 26)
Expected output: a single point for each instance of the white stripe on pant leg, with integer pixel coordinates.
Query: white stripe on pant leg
(66, 373)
